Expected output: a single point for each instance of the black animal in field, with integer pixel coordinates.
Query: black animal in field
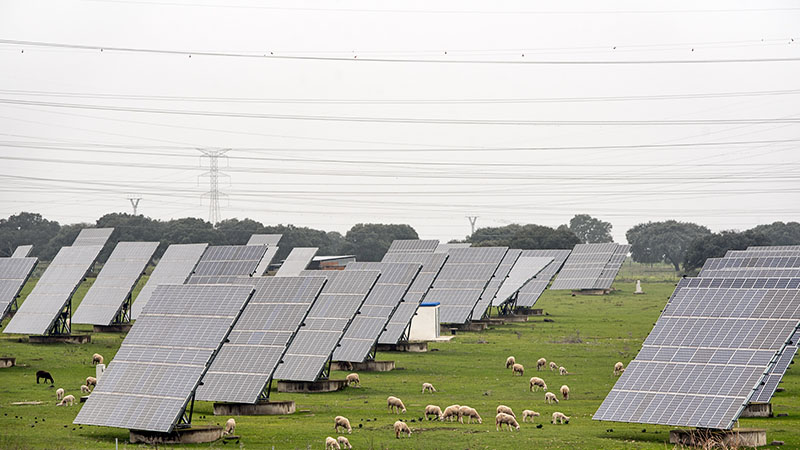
(44, 374)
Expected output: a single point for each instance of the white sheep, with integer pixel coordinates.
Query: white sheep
(85, 389)
(400, 428)
(553, 366)
(91, 381)
(230, 426)
(331, 443)
(428, 387)
(59, 393)
(510, 361)
(435, 411)
(560, 417)
(469, 413)
(562, 371)
(353, 379)
(344, 442)
(537, 383)
(97, 358)
(565, 392)
(341, 421)
(517, 369)
(529, 414)
(505, 409)
(451, 412)
(504, 419)
(549, 397)
(68, 400)
(619, 368)
(395, 405)
(541, 363)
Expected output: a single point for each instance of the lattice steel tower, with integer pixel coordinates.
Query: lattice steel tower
(213, 175)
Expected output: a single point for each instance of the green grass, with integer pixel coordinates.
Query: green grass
(587, 336)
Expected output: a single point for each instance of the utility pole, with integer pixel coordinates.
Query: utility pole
(213, 175)
(134, 199)
(472, 220)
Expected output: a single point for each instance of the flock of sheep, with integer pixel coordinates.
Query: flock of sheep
(69, 400)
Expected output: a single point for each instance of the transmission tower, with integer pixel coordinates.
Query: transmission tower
(472, 220)
(134, 199)
(213, 175)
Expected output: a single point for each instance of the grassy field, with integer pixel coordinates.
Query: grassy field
(587, 335)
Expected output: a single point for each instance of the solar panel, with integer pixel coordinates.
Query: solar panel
(174, 267)
(794, 248)
(22, 251)
(222, 264)
(756, 266)
(760, 252)
(162, 359)
(497, 280)
(765, 391)
(296, 262)
(707, 353)
(327, 320)
(269, 240)
(263, 266)
(445, 248)
(397, 327)
(390, 289)
(612, 267)
(413, 246)
(14, 273)
(584, 266)
(462, 280)
(46, 302)
(244, 366)
(106, 299)
(524, 270)
(93, 236)
(531, 291)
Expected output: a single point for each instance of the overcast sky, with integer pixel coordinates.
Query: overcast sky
(416, 112)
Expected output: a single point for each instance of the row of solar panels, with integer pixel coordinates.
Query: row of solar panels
(724, 340)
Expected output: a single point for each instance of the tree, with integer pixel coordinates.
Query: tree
(717, 244)
(590, 230)
(663, 241)
(237, 232)
(780, 233)
(130, 228)
(329, 243)
(190, 230)
(528, 236)
(26, 228)
(370, 241)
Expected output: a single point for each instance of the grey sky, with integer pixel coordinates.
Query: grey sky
(331, 173)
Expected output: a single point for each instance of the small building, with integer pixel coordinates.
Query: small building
(425, 323)
(331, 262)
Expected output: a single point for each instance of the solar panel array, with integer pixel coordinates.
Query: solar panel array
(612, 267)
(500, 274)
(226, 263)
(263, 266)
(524, 270)
(14, 273)
(53, 290)
(765, 391)
(760, 252)
(297, 261)
(793, 248)
(531, 291)
(413, 246)
(707, 353)
(162, 359)
(396, 328)
(174, 267)
(388, 292)
(584, 266)
(93, 236)
(327, 320)
(756, 266)
(270, 240)
(245, 364)
(114, 283)
(445, 248)
(22, 251)
(462, 280)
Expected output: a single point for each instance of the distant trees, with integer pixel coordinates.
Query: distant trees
(524, 237)
(665, 241)
(717, 244)
(26, 228)
(369, 241)
(780, 233)
(590, 230)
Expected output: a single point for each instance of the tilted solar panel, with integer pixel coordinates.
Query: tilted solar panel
(766, 390)
(413, 246)
(14, 273)
(499, 277)
(390, 289)
(93, 236)
(174, 267)
(795, 248)
(46, 302)
(612, 267)
(270, 240)
(244, 366)
(114, 284)
(445, 248)
(22, 251)
(296, 262)
(766, 251)
(162, 359)
(225, 263)
(263, 266)
(524, 270)
(533, 289)
(584, 266)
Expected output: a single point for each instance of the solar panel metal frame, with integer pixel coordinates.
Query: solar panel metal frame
(175, 266)
(500, 274)
(157, 369)
(525, 269)
(14, 273)
(413, 246)
(584, 266)
(106, 299)
(22, 251)
(529, 294)
(297, 261)
(222, 264)
(270, 240)
(93, 236)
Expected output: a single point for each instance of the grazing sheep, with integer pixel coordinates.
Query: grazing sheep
(85, 389)
(517, 369)
(553, 366)
(565, 392)
(435, 411)
(505, 409)
(395, 405)
(619, 368)
(549, 397)
(541, 363)
(344, 442)
(353, 379)
(560, 417)
(428, 387)
(97, 358)
(537, 383)
(59, 393)
(91, 381)
(341, 421)
(470, 413)
(451, 412)
(42, 374)
(562, 371)
(401, 427)
(68, 400)
(331, 443)
(510, 361)
(230, 426)
(504, 419)
(529, 413)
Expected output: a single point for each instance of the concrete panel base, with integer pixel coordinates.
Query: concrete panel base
(757, 410)
(366, 366)
(61, 339)
(193, 435)
(472, 326)
(411, 347)
(307, 387)
(492, 321)
(735, 438)
(7, 362)
(117, 328)
(592, 292)
(516, 318)
(529, 311)
(258, 409)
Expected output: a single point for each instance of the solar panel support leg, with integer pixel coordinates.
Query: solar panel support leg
(124, 314)
(186, 417)
(62, 324)
(326, 371)
(264, 396)
(373, 353)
